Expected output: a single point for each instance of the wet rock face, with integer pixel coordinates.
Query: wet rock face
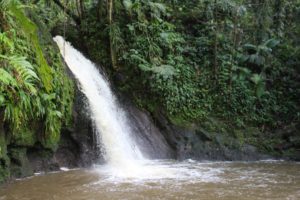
(68, 154)
(75, 148)
(19, 163)
(42, 160)
(81, 137)
(147, 135)
(197, 143)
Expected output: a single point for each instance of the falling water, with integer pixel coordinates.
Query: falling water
(113, 130)
(123, 157)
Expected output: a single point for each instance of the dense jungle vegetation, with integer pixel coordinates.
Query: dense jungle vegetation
(235, 61)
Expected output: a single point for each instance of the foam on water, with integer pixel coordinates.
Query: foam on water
(162, 170)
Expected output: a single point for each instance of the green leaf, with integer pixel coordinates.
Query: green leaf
(250, 47)
(23, 67)
(260, 90)
(127, 4)
(271, 43)
(256, 78)
(6, 78)
(164, 70)
(2, 100)
(161, 7)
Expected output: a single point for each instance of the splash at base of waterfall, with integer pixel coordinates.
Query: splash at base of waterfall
(159, 170)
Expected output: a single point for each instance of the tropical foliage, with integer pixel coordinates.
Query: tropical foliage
(32, 89)
(234, 60)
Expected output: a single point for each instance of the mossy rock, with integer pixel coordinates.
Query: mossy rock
(3, 150)
(24, 138)
(295, 140)
(51, 141)
(215, 125)
(20, 166)
(180, 121)
(4, 172)
(204, 135)
(4, 161)
(293, 154)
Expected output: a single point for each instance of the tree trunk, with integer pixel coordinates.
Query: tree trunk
(99, 9)
(215, 43)
(277, 19)
(78, 10)
(233, 50)
(81, 8)
(110, 22)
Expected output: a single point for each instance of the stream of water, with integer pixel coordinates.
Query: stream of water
(113, 130)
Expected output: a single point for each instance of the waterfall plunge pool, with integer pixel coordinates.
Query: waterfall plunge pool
(178, 180)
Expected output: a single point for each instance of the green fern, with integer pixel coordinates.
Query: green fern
(24, 72)
(45, 72)
(6, 78)
(26, 78)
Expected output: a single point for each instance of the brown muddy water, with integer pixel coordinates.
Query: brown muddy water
(262, 180)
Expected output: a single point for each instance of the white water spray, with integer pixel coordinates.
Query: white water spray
(124, 158)
(109, 119)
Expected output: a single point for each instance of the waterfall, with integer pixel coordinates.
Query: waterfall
(123, 156)
(111, 125)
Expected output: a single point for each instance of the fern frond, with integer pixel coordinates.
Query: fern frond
(24, 68)
(6, 78)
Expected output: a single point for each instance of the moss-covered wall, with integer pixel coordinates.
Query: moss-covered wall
(36, 94)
